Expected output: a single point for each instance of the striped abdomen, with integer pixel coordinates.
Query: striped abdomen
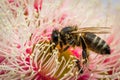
(96, 44)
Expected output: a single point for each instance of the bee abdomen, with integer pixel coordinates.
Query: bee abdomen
(96, 44)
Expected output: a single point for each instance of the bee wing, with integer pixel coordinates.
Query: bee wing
(96, 30)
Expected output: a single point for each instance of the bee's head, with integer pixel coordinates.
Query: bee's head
(55, 36)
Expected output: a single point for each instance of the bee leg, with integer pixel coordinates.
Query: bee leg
(84, 51)
(61, 45)
(66, 48)
(84, 55)
(70, 43)
(79, 66)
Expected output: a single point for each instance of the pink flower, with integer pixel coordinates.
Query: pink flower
(25, 33)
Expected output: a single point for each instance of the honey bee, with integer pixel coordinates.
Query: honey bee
(85, 38)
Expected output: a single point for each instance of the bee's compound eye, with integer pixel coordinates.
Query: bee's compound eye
(55, 35)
